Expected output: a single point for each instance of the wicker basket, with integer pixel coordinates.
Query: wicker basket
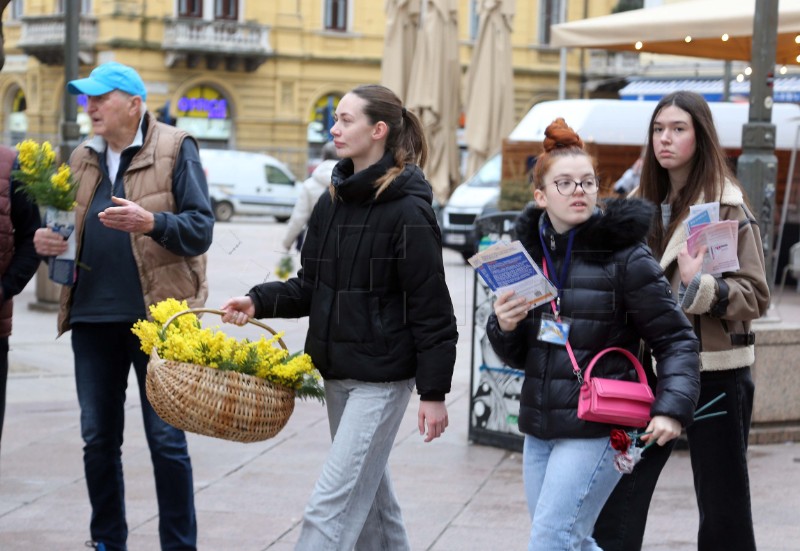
(222, 404)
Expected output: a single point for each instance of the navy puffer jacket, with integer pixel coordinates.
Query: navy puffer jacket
(372, 283)
(615, 295)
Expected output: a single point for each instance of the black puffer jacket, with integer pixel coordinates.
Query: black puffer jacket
(372, 283)
(615, 293)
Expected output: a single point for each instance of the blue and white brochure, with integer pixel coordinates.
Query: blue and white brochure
(508, 267)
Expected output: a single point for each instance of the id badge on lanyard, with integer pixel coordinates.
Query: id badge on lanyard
(553, 328)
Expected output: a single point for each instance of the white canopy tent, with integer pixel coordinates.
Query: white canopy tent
(713, 29)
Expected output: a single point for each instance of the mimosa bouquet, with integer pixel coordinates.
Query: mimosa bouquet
(185, 340)
(53, 189)
(46, 184)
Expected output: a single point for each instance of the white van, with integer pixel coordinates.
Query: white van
(599, 121)
(240, 182)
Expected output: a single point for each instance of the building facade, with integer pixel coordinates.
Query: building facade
(246, 74)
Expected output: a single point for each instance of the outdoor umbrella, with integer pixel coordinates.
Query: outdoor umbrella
(434, 92)
(490, 83)
(715, 29)
(402, 25)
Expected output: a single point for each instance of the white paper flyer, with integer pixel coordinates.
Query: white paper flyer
(507, 266)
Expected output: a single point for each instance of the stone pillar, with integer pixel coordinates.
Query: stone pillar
(47, 292)
(776, 374)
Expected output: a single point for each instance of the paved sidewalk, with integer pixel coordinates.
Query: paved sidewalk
(455, 495)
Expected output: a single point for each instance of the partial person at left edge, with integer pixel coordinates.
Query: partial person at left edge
(19, 219)
(143, 224)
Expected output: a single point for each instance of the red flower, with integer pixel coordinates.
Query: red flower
(620, 440)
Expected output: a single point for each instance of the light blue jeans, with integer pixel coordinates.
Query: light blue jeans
(353, 505)
(567, 481)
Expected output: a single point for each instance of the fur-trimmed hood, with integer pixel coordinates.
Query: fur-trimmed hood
(615, 225)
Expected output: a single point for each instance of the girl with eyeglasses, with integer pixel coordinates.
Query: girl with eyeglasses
(611, 293)
(685, 165)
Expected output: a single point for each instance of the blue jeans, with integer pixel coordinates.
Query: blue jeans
(567, 481)
(353, 504)
(104, 353)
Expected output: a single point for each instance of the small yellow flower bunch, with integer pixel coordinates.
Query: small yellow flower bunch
(45, 183)
(284, 268)
(185, 340)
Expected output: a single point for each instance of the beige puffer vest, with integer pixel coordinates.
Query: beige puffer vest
(148, 182)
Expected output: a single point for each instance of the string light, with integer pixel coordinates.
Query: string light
(797, 59)
(797, 39)
(748, 71)
(687, 39)
(740, 77)
(638, 45)
(725, 37)
(783, 70)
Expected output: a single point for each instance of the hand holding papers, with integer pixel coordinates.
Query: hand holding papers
(507, 266)
(721, 238)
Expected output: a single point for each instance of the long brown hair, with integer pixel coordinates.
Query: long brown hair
(559, 141)
(406, 138)
(709, 167)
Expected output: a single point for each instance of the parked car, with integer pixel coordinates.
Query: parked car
(241, 182)
(467, 202)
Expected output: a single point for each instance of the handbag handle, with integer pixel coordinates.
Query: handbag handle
(632, 357)
(588, 374)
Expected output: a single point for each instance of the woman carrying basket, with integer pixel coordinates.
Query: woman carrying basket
(380, 317)
(611, 293)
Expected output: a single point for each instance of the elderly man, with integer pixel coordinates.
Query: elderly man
(19, 219)
(143, 224)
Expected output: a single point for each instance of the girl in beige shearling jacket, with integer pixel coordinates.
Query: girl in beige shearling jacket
(685, 165)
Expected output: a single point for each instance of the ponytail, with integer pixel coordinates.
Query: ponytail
(406, 137)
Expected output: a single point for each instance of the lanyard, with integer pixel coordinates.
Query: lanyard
(575, 369)
(558, 281)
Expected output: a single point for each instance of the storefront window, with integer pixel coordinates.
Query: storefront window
(321, 119)
(204, 112)
(18, 119)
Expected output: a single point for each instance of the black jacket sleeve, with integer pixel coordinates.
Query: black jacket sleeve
(510, 347)
(429, 306)
(653, 310)
(26, 220)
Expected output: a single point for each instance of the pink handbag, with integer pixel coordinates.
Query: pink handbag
(611, 401)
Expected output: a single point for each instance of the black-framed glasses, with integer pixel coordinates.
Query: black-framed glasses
(568, 187)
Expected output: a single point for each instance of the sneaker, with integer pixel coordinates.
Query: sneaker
(99, 545)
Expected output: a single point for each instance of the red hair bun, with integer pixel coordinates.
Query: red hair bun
(559, 135)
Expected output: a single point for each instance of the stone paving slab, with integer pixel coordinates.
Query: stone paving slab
(455, 495)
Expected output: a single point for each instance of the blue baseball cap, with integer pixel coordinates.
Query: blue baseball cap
(107, 77)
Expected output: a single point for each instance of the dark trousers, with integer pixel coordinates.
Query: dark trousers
(3, 380)
(620, 526)
(104, 353)
(718, 452)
